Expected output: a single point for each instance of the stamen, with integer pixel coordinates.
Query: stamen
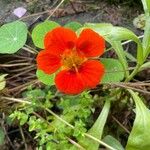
(71, 60)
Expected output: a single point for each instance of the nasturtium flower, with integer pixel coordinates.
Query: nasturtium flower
(70, 57)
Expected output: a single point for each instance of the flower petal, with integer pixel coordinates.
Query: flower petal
(91, 73)
(47, 62)
(90, 43)
(69, 82)
(60, 39)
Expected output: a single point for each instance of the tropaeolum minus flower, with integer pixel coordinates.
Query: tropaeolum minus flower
(70, 56)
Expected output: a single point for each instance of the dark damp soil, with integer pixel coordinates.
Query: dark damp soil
(117, 12)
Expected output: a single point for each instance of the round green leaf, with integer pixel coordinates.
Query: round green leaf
(73, 25)
(45, 78)
(114, 70)
(40, 31)
(12, 37)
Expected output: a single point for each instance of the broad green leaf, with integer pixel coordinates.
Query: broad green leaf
(97, 129)
(45, 78)
(113, 70)
(2, 81)
(2, 136)
(113, 142)
(146, 6)
(12, 37)
(146, 39)
(101, 28)
(145, 66)
(73, 25)
(120, 34)
(139, 138)
(40, 31)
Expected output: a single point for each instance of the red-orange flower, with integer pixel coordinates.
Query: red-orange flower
(71, 57)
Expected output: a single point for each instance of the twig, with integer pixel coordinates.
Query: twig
(36, 51)
(37, 14)
(24, 72)
(55, 9)
(76, 144)
(15, 100)
(23, 69)
(23, 86)
(4, 129)
(29, 50)
(128, 87)
(23, 138)
(121, 125)
(14, 65)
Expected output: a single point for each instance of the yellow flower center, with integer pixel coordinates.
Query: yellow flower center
(72, 60)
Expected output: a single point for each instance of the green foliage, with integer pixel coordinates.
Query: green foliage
(120, 33)
(21, 116)
(73, 25)
(45, 78)
(57, 119)
(146, 39)
(2, 136)
(139, 138)
(102, 28)
(146, 6)
(40, 31)
(114, 70)
(113, 142)
(145, 66)
(97, 129)
(51, 133)
(12, 37)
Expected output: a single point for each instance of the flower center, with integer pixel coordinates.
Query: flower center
(71, 60)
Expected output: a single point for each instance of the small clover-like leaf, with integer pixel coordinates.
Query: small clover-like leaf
(40, 31)
(45, 78)
(113, 70)
(12, 37)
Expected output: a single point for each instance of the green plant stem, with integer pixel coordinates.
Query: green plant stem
(135, 71)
